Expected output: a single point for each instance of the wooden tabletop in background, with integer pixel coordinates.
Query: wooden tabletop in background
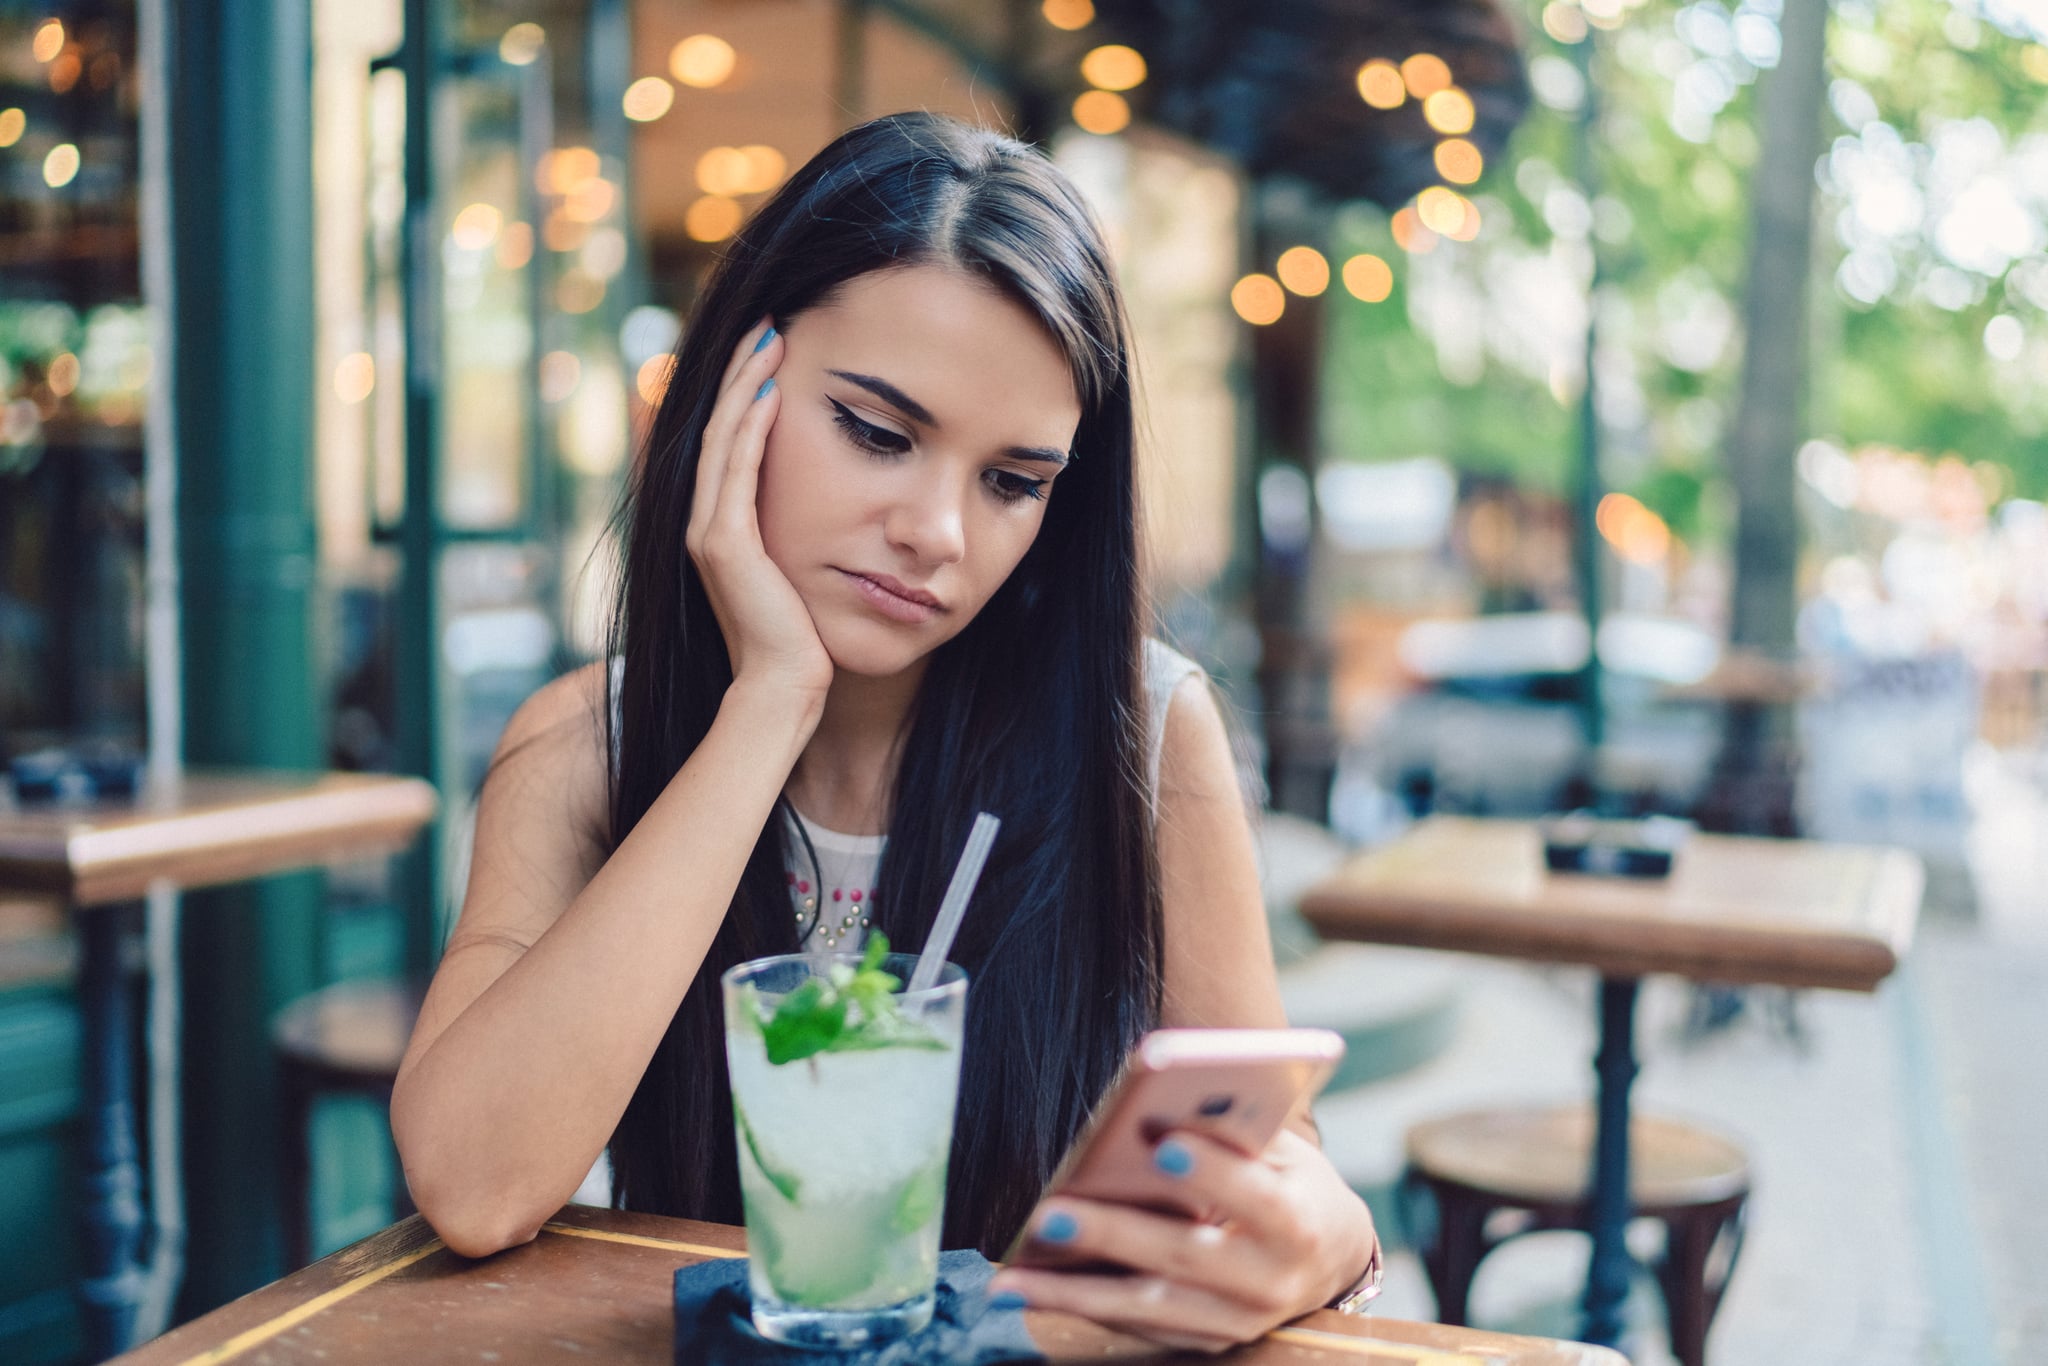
(206, 828)
(598, 1285)
(1734, 909)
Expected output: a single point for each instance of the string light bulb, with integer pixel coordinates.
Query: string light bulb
(1304, 271)
(1114, 67)
(1380, 84)
(1258, 299)
(702, 61)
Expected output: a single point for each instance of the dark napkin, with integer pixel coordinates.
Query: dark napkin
(713, 1329)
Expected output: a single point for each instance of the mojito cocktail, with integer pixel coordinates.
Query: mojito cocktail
(842, 1091)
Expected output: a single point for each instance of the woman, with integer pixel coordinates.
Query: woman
(879, 573)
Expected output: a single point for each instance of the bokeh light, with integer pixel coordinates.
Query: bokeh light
(713, 218)
(1637, 534)
(1100, 111)
(1458, 161)
(476, 227)
(1441, 210)
(515, 246)
(1258, 299)
(13, 123)
(1424, 74)
(1449, 111)
(1113, 67)
(522, 44)
(563, 233)
(1068, 14)
(723, 171)
(765, 168)
(1409, 233)
(563, 169)
(1380, 84)
(702, 60)
(1304, 270)
(2004, 338)
(49, 40)
(355, 377)
(651, 380)
(61, 165)
(590, 201)
(1564, 22)
(647, 99)
(1368, 278)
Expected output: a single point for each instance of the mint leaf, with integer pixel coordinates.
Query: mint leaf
(807, 1022)
(876, 950)
(849, 1009)
(781, 1180)
(920, 1199)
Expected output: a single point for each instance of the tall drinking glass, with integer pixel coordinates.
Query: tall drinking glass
(842, 1150)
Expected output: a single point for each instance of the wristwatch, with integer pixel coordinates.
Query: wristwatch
(1358, 1298)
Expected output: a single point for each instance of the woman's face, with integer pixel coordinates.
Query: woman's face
(924, 420)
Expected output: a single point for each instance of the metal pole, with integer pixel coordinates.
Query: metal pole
(1615, 1065)
(1587, 494)
(416, 658)
(163, 661)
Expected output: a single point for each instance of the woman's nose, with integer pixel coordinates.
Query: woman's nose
(926, 520)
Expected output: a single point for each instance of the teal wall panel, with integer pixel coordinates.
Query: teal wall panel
(39, 1177)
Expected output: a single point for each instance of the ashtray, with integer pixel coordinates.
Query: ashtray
(1581, 842)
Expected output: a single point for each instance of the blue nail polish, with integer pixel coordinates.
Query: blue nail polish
(766, 337)
(764, 389)
(1059, 1227)
(1173, 1158)
(1006, 1300)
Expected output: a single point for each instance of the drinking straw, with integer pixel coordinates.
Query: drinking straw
(954, 908)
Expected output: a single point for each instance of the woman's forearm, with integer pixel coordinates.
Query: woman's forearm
(502, 1114)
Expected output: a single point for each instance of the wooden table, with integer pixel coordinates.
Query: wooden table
(597, 1285)
(1734, 910)
(200, 830)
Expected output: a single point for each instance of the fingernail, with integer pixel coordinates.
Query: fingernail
(766, 337)
(1173, 1158)
(1007, 1299)
(764, 389)
(1058, 1227)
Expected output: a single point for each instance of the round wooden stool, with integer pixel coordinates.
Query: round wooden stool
(1493, 1175)
(345, 1039)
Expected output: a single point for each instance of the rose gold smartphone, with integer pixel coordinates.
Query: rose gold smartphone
(1235, 1086)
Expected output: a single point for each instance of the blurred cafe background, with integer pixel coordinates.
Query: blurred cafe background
(1625, 404)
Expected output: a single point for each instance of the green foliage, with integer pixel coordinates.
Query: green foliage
(1671, 221)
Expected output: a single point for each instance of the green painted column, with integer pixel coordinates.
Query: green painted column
(241, 225)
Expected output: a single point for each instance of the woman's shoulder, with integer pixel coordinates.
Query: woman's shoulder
(557, 736)
(568, 710)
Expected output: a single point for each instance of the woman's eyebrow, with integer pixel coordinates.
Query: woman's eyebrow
(889, 393)
(920, 414)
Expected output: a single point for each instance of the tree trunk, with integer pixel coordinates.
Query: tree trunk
(1752, 787)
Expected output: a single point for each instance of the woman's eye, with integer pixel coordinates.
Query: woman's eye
(1014, 488)
(866, 435)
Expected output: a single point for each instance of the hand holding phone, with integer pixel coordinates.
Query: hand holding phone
(1234, 1086)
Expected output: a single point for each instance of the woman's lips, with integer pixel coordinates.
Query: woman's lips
(894, 606)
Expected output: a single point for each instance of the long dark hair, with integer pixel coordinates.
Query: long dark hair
(1034, 711)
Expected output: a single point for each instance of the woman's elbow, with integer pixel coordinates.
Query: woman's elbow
(473, 1228)
(473, 1218)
